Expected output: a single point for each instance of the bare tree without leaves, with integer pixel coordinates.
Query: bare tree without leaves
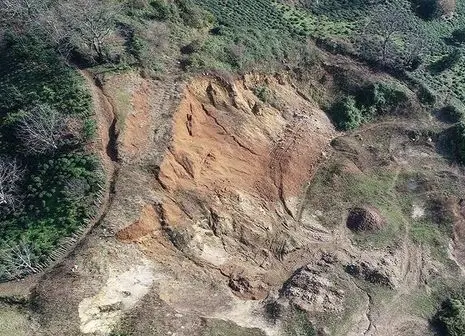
(88, 25)
(16, 261)
(385, 27)
(390, 39)
(76, 189)
(20, 11)
(10, 175)
(84, 23)
(42, 129)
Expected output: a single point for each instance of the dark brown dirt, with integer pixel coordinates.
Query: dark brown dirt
(366, 218)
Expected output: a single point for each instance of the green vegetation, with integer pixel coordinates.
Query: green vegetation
(214, 327)
(451, 316)
(370, 101)
(333, 192)
(452, 113)
(298, 324)
(387, 34)
(58, 179)
(346, 115)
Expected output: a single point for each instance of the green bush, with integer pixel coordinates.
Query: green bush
(161, 11)
(345, 114)
(451, 316)
(426, 9)
(298, 324)
(368, 102)
(426, 95)
(452, 113)
(89, 129)
(263, 93)
(380, 98)
(459, 35)
(446, 62)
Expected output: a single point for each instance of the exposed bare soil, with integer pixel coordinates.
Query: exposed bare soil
(215, 213)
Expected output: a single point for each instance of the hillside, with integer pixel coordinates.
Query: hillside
(232, 168)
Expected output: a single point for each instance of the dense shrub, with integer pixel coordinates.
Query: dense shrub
(59, 186)
(452, 113)
(194, 46)
(379, 98)
(431, 9)
(263, 93)
(446, 62)
(458, 35)
(451, 316)
(368, 102)
(345, 114)
(426, 9)
(426, 95)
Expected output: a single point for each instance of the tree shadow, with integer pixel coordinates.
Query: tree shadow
(445, 144)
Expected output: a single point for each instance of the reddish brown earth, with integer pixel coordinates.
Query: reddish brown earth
(219, 144)
(211, 218)
(234, 170)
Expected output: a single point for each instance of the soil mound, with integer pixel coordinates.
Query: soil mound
(365, 218)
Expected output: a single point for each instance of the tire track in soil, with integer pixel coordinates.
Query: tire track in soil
(279, 159)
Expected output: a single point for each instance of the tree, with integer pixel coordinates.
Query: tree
(451, 316)
(86, 24)
(42, 129)
(16, 261)
(14, 12)
(345, 114)
(390, 39)
(10, 175)
(383, 29)
(431, 9)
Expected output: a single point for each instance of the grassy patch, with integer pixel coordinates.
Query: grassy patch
(298, 324)
(214, 327)
(13, 323)
(334, 192)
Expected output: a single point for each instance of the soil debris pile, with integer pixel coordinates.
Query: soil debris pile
(366, 218)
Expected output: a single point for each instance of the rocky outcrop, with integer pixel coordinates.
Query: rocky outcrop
(310, 289)
(371, 273)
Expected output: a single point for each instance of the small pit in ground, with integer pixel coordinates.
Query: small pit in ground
(366, 218)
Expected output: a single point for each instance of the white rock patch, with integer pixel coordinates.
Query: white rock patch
(418, 211)
(99, 314)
